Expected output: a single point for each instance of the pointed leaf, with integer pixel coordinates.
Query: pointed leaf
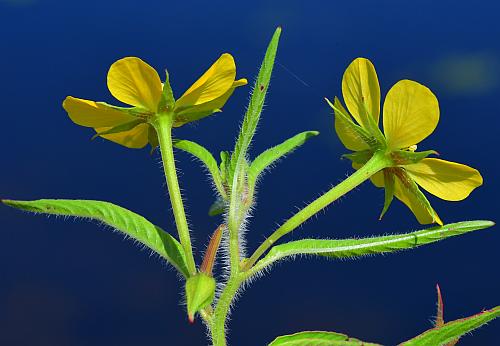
(405, 157)
(273, 154)
(205, 157)
(131, 224)
(256, 104)
(351, 248)
(318, 338)
(453, 330)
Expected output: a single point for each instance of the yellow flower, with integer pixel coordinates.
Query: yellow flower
(410, 114)
(134, 82)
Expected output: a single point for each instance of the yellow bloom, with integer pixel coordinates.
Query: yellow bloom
(134, 82)
(410, 114)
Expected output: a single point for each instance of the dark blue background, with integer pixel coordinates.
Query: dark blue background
(71, 283)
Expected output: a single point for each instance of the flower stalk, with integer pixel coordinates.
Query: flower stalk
(378, 162)
(163, 126)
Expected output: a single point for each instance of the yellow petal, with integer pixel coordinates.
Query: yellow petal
(134, 82)
(214, 83)
(200, 111)
(347, 136)
(94, 114)
(423, 214)
(136, 138)
(450, 181)
(411, 113)
(361, 91)
(378, 179)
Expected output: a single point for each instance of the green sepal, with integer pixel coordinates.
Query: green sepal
(389, 182)
(188, 116)
(374, 130)
(120, 128)
(413, 188)
(200, 293)
(360, 157)
(134, 111)
(347, 120)
(405, 157)
(153, 139)
(167, 101)
(217, 207)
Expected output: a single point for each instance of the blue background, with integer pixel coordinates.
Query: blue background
(70, 283)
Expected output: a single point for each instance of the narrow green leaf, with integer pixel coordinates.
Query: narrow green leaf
(206, 158)
(120, 128)
(273, 154)
(350, 248)
(256, 104)
(318, 338)
(453, 330)
(131, 224)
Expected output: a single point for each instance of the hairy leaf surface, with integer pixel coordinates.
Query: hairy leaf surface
(318, 338)
(453, 330)
(273, 154)
(205, 157)
(349, 248)
(130, 223)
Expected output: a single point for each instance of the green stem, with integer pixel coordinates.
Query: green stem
(163, 126)
(235, 216)
(218, 327)
(378, 162)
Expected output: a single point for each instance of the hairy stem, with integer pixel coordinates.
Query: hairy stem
(218, 326)
(163, 126)
(378, 161)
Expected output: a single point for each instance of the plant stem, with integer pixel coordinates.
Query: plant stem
(163, 126)
(218, 327)
(378, 162)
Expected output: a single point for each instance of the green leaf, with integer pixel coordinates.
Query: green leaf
(318, 338)
(453, 330)
(131, 224)
(350, 248)
(204, 156)
(120, 128)
(273, 154)
(256, 104)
